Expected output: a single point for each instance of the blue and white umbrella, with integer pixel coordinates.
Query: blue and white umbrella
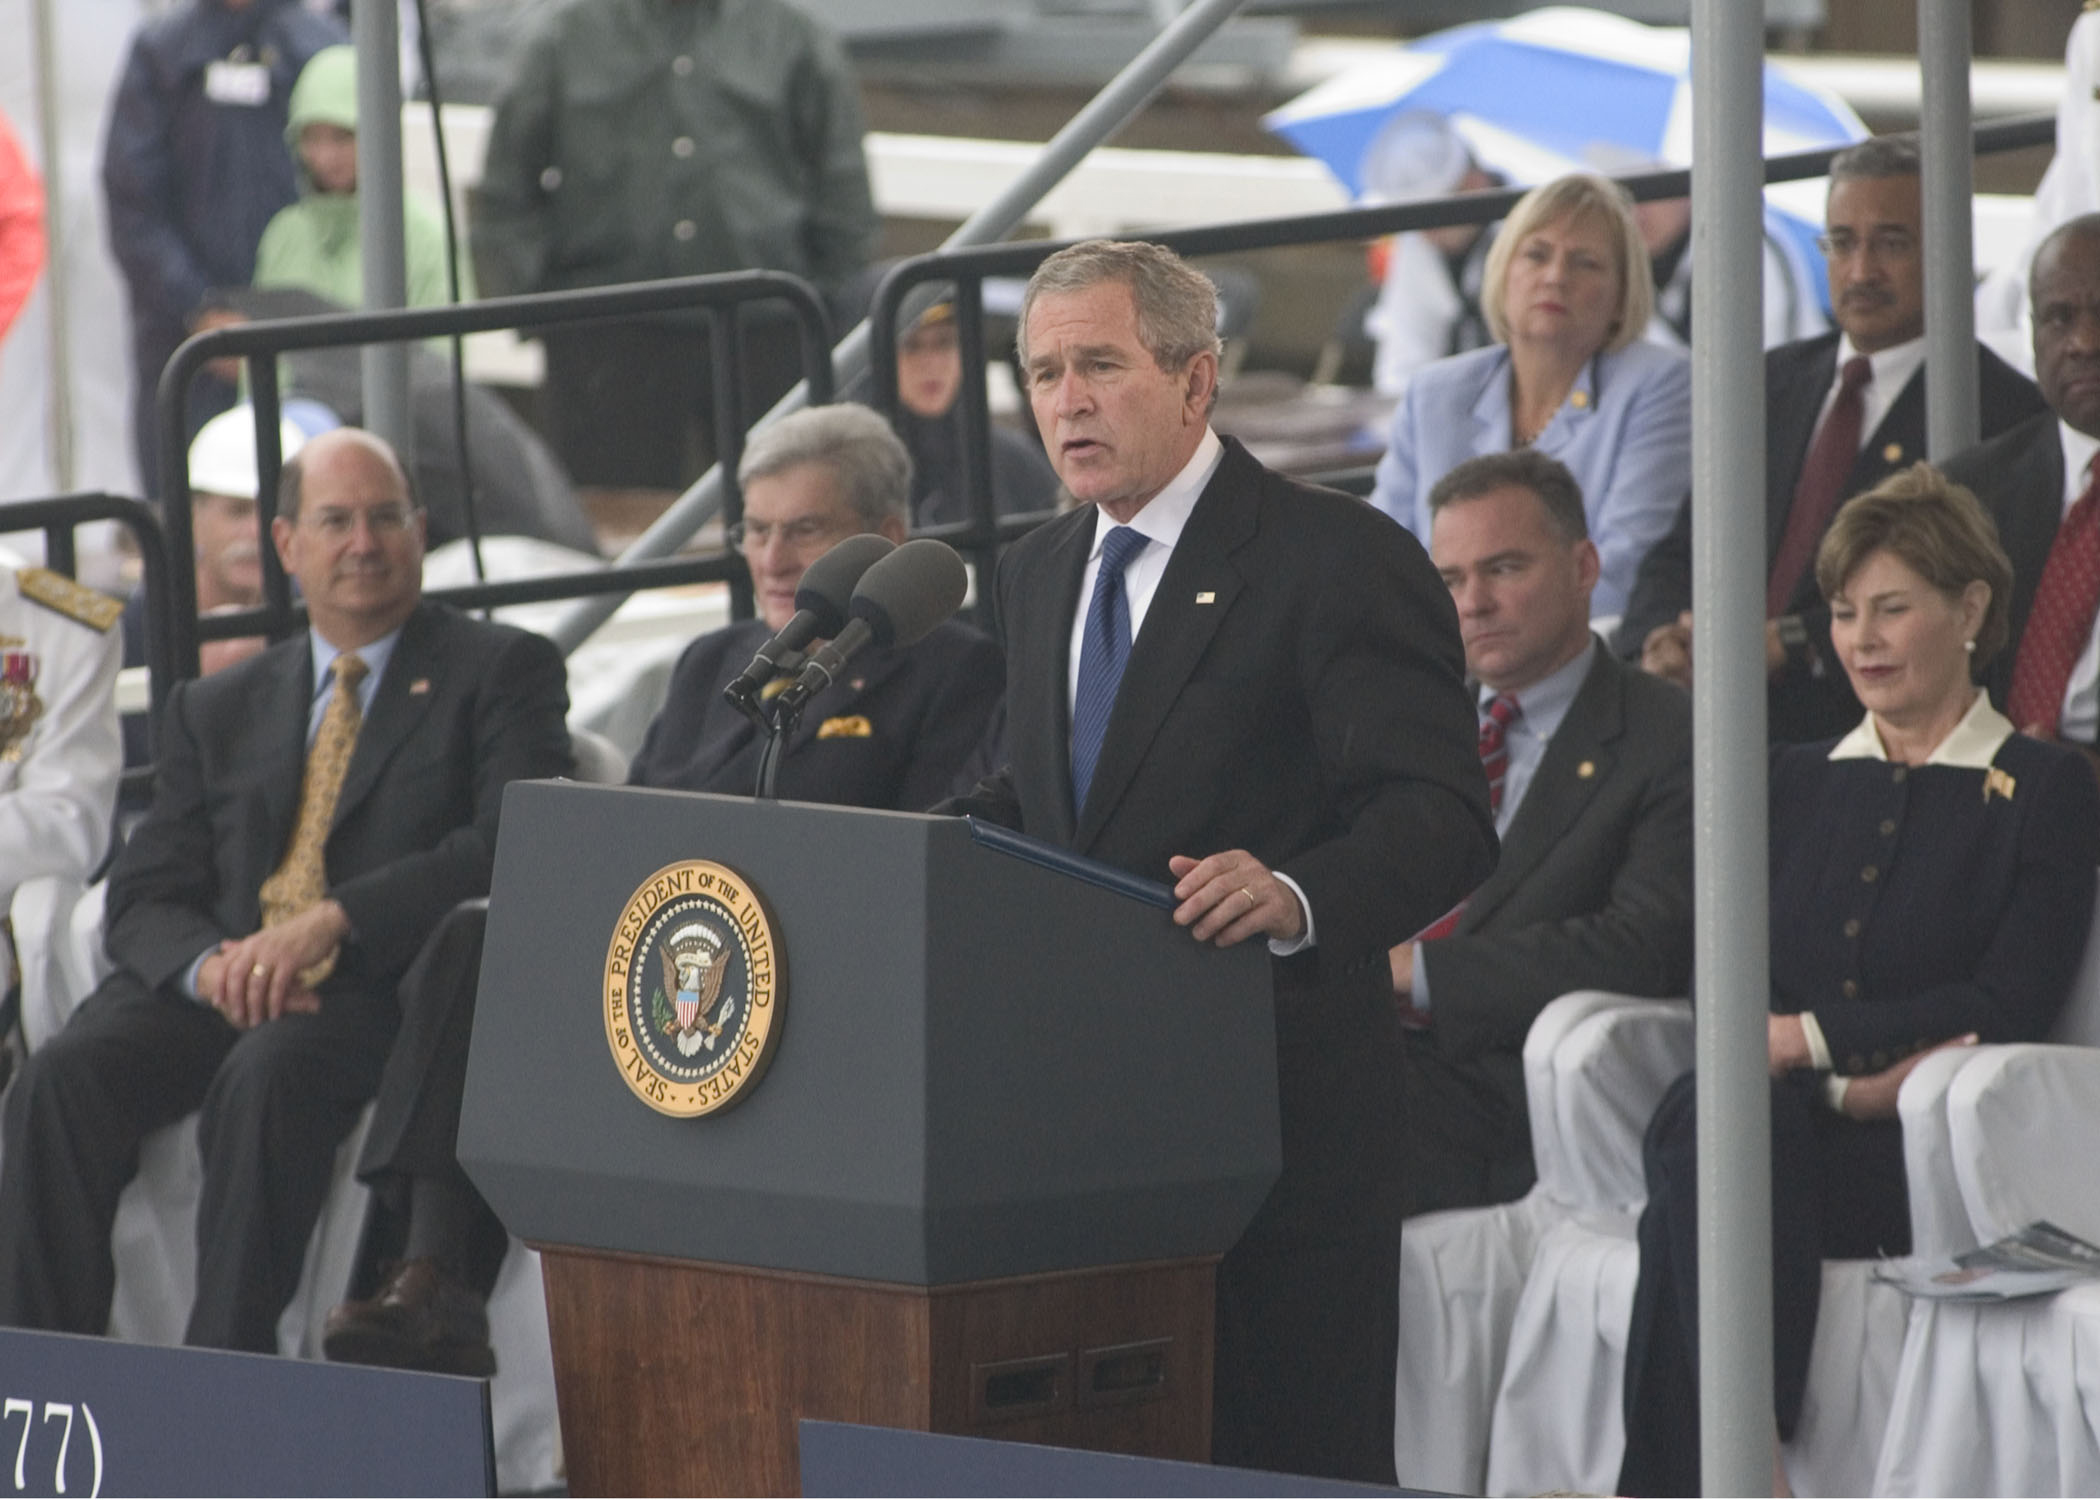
(1545, 92)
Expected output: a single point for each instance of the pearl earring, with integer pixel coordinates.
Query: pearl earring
(1968, 646)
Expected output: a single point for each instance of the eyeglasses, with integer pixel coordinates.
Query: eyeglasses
(752, 536)
(1882, 244)
(337, 524)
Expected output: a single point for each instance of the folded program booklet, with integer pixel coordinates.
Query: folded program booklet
(2029, 1262)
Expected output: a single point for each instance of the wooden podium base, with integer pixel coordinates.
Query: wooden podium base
(684, 1378)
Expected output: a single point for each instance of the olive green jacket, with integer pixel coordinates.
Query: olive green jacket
(650, 138)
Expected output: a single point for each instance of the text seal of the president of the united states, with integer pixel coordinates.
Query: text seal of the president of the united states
(693, 989)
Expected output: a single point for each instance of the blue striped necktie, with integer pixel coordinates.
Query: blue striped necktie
(1104, 649)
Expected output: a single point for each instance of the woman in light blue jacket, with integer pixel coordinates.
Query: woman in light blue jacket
(1568, 292)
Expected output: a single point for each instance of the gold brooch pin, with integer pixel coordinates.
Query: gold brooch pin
(1892, 454)
(1586, 770)
(1995, 780)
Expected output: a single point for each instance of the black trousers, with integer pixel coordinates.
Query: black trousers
(1466, 1136)
(1308, 1300)
(275, 1104)
(1838, 1190)
(415, 1120)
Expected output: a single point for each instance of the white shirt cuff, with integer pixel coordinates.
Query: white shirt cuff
(1818, 1049)
(1418, 989)
(189, 976)
(1303, 940)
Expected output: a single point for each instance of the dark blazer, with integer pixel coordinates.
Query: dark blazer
(896, 732)
(2019, 477)
(464, 709)
(1909, 907)
(1297, 691)
(1797, 378)
(1594, 886)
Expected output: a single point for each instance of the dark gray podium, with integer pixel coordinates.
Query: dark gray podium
(1010, 1121)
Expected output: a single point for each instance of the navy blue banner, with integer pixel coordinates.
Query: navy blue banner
(87, 1417)
(846, 1459)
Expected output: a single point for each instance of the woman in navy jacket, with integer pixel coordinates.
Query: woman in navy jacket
(1567, 292)
(1932, 882)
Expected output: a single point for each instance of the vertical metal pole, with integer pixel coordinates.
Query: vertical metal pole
(51, 154)
(1728, 749)
(1948, 182)
(375, 26)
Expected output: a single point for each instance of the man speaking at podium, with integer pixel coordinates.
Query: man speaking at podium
(1254, 689)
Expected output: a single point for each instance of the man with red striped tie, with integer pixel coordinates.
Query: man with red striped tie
(2040, 484)
(1588, 763)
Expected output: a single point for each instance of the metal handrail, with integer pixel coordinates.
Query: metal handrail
(719, 298)
(985, 532)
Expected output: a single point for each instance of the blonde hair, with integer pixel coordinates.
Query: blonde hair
(1934, 527)
(1576, 196)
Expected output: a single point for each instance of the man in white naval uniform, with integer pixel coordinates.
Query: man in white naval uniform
(60, 752)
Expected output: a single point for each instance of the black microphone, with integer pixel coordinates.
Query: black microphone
(820, 610)
(900, 599)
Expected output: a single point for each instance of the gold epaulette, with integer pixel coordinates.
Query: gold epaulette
(76, 601)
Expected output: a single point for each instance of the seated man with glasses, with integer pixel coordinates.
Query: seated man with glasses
(317, 809)
(899, 732)
(1843, 411)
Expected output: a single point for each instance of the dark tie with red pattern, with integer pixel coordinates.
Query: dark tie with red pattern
(1821, 485)
(2062, 615)
(1502, 711)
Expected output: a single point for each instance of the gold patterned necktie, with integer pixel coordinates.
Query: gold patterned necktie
(301, 880)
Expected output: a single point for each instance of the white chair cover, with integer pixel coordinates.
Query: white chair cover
(521, 1397)
(1558, 1420)
(1462, 1272)
(58, 942)
(2005, 1398)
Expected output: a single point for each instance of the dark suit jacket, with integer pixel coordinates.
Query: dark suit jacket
(2019, 477)
(1594, 886)
(1297, 691)
(1797, 378)
(1977, 914)
(464, 709)
(897, 731)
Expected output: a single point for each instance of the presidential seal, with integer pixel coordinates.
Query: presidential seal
(693, 991)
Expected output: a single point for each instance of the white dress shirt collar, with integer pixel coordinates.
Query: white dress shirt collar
(2078, 452)
(1893, 368)
(1971, 744)
(1162, 518)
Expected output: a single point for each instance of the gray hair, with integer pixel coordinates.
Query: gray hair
(870, 462)
(1177, 307)
(1520, 468)
(1877, 156)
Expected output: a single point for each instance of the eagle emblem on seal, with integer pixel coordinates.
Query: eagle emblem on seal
(693, 972)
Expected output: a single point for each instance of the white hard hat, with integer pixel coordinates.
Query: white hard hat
(222, 459)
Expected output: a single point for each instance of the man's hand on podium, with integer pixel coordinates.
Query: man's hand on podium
(1233, 896)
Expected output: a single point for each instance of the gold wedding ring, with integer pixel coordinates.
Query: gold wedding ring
(260, 971)
(1251, 902)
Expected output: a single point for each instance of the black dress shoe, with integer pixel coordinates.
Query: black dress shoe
(421, 1319)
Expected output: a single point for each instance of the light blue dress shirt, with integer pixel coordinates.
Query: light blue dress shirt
(1625, 432)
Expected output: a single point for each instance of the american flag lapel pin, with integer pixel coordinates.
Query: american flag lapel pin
(419, 687)
(1207, 597)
